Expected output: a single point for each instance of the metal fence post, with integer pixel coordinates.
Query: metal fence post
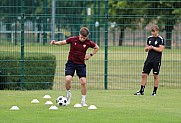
(99, 11)
(45, 23)
(106, 46)
(22, 44)
(53, 20)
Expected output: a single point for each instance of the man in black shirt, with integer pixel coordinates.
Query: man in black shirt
(154, 47)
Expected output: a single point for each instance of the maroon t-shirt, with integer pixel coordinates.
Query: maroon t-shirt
(78, 49)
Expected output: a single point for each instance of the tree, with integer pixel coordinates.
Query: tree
(68, 15)
(167, 14)
(8, 16)
(11, 12)
(126, 14)
(129, 13)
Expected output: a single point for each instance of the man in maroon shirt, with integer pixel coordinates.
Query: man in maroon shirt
(76, 60)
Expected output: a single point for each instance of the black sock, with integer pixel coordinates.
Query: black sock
(155, 89)
(142, 88)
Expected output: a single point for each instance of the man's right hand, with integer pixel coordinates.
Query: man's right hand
(147, 48)
(52, 42)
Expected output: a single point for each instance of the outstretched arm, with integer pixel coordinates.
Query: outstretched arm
(63, 42)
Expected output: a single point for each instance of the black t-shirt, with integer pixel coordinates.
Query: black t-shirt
(154, 56)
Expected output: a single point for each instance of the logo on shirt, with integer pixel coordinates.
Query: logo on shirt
(156, 42)
(149, 42)
(84, 45)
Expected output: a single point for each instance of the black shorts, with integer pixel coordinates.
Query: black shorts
(71, 67)
(152, 65)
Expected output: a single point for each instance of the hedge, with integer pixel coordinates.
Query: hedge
(39, 70)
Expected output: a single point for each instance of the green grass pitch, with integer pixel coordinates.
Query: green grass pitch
(124, 62)
(116, 106)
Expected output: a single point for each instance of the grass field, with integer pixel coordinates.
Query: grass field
(113, 106)
(124, 66)
(116, 106)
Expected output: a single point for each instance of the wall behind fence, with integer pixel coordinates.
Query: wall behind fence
(120, 28)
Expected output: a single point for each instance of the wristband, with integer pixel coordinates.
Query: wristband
(91, 54)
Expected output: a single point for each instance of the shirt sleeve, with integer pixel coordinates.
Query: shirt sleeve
(147, 42)
(161, 41)
(92, 44)
(69, 40)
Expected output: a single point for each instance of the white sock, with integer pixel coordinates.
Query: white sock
(68, 93)
(83, 98)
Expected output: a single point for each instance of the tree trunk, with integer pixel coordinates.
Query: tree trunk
(168, 29)
(39, 29)
(8, 28)
(121, 37)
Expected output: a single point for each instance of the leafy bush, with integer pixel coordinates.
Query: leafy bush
(38, 69)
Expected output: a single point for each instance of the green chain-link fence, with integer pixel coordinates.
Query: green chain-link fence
(120, 28)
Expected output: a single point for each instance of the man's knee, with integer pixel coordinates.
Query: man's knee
(144, 75)
(68, 78)
(155, 76)
(83, 80)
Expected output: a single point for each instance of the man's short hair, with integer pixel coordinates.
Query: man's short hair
(84, 31)
(155, 27)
